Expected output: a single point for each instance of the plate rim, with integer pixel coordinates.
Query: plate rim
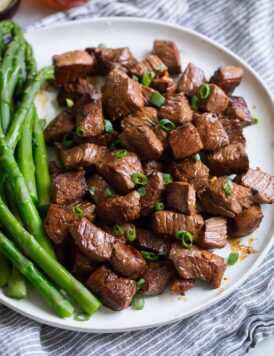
(82, 328)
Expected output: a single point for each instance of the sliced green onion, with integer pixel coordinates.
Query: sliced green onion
(196, 157)
(140, 283)
(134, 77)
(195, 103)
(68, 139)
(232, 258)
(114, 144)
(150, 256)
(167, 125)
(157, 99)
(228, 187)
(131, 233)
(255, 120)
(185, 237)
(121, 153)
(204, 91)
(147, 78)
(81, 316)
(139, 178)
(117, 230)
(80, 132)
(159, 206)
(69, 103)
(160, 68)
(92, 190)
(142, 191)
(77, 211)
(108, 126)
(167, 178)
(138, 301)
(102, 45)
(109, 192)
(43, 123)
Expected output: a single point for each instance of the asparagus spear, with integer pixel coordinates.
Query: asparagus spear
(17, 287)
(5, 270)
(8, 27)
(31, 248)
(55, 299)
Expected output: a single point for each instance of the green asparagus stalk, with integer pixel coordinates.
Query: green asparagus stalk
(31, 248)
(15, 129)
(5, 270)
(17, 287)
(43, 181)
(10, 202)
(55, 299)
(30, 63)
(8, 27)
(25, 156)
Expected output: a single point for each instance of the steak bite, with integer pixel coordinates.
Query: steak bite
(169, 222)
(215, 200)
(233, 129)
(237, 110)
(214, 233)
(260, 183)
(157, 277)
(191, 80)
(217, 100)
(92, 241)
(76, 90)
(152, 166)
(168, 52)
(181, 197)
(62, 124)
(90, 119)
(228, 160)
(147, 93)
(98, 189)
(211, 131)
(153, 193)
(246, 222)
(72, 65)
(127, 261)
(181, 285)
(176, 108)
(197, 263)
(119, 210)
(83, 266)
(87, 208)
(121, 95)
(146, 116)
(185, 141)
(118, 172)
(68, 187)
(115, 292)
(164, 85)
(188, 170)
(228, 78)
(151, 63)
(143, 141)
(149, 241)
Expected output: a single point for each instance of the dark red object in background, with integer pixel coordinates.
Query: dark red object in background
(8, 8)
(64, 4)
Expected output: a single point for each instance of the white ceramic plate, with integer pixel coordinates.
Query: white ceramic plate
(139, 35)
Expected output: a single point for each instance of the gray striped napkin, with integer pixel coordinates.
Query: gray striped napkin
(236, 324)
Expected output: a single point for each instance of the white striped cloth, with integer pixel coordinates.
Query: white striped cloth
(236, 324)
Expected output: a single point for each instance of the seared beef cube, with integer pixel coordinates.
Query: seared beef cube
(157, 277)
(153, 193)
(151, 63)
(57, 128)
(169, 54)
(87, 155)
(237, 110)
(98, 188)
(68, 187)
(143, 141)
(90, 119)
(211, 131)
(149, 241)
(261, 185)
(118, 210)
(92, 241)
(72, 65)
(176, 109)
(54, 168)
(188, 170)
(217, 101)
(181, 197)
(162, 135)
(168, 222)
(228, 78)
(83, 265)
(118, 172)
(185, 141)
(246, 222)
(214, 199)
(197, 263)
(152, 166)
(228, 160)
(115, 292)
(214, 233)
(146, 116)
(127, 261)
(165, 85)
(233, 129)
(75, 91)
(104, 139)
(147, 93)
(87, 208)
(191, 80)
(181, 285)
(121, 95)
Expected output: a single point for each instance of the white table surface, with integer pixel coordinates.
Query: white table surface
(33, 10)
